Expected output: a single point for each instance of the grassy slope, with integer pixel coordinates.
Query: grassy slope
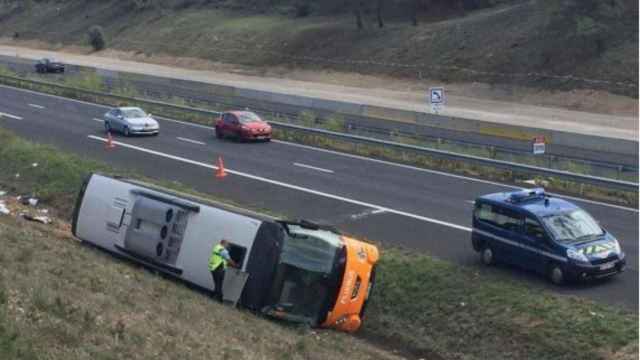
(426, 307)
(525, 38)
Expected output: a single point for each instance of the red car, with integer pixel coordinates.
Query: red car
(242, 125)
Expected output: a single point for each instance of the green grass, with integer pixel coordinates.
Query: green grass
(434, 306)
(421, 305)
(76, 302)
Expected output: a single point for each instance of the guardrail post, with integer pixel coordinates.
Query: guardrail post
(620, 170)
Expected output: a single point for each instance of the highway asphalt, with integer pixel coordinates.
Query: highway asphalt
(390, 203)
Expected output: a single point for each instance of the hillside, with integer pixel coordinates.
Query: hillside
(525, 43)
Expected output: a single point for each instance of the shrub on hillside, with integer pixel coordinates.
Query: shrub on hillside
(96, 38)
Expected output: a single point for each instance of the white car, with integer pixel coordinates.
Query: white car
(130, 121)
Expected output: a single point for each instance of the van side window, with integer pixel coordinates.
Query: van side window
(496, 216)
(533, 229)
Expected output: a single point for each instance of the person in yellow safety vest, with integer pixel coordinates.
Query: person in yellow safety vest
(217, 265)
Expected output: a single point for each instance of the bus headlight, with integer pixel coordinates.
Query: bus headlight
(576, 255)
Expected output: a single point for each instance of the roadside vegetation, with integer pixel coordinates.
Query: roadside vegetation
(62, 300)
(551, 44)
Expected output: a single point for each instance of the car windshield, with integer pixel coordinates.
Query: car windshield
(574, 226)
(305, 277)
(133, 113)
(248, 117)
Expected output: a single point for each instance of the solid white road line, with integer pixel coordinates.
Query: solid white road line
(414, 168)
(98, 120)
(190, 141)
(36, 106)
(15, 117)
(313, 167)
(289, 186)
(352, 156)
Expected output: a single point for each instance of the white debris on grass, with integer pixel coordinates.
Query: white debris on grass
(41, 219)
(4, 210)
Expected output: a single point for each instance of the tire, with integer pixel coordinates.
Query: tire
(126, 131)
(107, 126)
(557, 275)
(487, 256)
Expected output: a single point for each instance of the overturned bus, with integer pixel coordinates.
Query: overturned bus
(295, 271)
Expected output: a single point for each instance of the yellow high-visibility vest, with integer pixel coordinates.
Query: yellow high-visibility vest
(216, 259)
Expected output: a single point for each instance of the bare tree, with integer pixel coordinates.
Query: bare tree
(358, 5)
(414, 13)
(379, 9)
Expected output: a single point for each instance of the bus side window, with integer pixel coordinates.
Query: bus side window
(237, 253)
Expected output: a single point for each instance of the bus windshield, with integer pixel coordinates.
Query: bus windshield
(307, 275)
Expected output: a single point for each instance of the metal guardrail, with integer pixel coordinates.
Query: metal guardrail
(563, 159)
(440, 154)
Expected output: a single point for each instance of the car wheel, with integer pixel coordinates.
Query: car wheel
(126, 131)
(107, 126)
(556, 274)
(487, 256)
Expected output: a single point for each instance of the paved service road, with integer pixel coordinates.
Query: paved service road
(386, 202)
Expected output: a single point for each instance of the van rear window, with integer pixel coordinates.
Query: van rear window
(499, 217)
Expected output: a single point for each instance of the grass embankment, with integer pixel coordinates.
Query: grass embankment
(594, 40)
(50, 303)
(62, 300)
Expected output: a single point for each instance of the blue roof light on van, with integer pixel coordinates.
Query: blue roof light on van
(527, 194)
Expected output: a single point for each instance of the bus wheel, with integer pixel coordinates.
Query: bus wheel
(487, 256)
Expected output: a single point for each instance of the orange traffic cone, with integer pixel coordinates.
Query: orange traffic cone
(110, 144)
(220, 173)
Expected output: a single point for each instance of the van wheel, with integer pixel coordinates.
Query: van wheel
(487, 256)
(556, 274)
(126, 131)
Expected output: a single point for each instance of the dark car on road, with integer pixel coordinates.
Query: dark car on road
(242, 125)
(551, 236)
(49, 66)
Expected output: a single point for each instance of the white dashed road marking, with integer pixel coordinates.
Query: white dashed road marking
(15, 117)
(313, 168)
(190, 141)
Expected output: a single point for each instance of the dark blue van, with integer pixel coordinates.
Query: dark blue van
(549, 235)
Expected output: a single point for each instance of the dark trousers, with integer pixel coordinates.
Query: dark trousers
(218, 279)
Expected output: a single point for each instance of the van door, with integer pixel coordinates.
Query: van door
(535, 246)
(500, 227)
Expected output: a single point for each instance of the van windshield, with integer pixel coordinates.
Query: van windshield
(307, 275)
(572, 227)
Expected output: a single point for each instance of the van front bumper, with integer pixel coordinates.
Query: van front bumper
(582, 271)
